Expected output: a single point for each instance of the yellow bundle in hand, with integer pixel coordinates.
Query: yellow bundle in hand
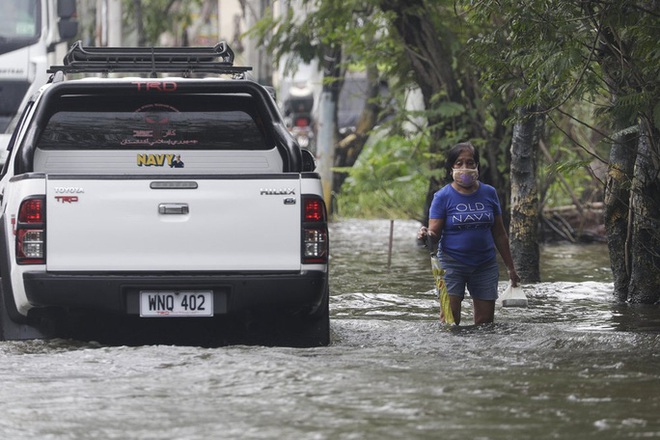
(438, 275)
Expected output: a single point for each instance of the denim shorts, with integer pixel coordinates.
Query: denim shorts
(481, 281)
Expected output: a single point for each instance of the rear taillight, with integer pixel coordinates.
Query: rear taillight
(302, 122)
(31, 232)
(315, 231)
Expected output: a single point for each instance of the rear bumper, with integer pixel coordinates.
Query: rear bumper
(119, 292)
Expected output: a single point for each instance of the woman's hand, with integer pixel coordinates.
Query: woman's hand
(513, 276)
(430, 235)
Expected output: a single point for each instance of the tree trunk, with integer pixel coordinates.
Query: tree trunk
(524, 196)
(497, 142)
(351, 146)
(645, 250)
(617, 211)
(327, 130)
(632, 194)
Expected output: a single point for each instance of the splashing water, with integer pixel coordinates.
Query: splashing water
(572, 365)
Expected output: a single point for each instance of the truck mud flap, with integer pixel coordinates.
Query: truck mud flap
(13, 325)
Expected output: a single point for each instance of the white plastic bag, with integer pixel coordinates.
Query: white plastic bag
(512, 297)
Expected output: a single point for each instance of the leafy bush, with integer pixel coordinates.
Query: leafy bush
(387, 181)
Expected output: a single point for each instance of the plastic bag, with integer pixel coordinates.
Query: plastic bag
(513, 297)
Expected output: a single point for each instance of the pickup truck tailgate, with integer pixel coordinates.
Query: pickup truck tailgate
(195, 224)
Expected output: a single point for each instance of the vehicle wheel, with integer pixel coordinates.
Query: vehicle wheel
(310, 330)
(317, 326)
(283, 328)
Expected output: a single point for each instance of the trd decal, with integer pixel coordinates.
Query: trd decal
(66, 199)
(155, 86)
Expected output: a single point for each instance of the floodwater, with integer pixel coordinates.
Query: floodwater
(573, 365)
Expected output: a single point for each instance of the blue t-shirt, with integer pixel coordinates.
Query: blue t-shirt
(467, 236)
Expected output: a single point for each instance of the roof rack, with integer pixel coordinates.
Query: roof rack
(152, 60)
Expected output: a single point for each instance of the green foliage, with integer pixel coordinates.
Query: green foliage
(355, 26)
(585, 64)
(504, 55)
(387, 181)
(572, 174)
(445, 109)
(549, 53)
(159, 16)
(533, 54)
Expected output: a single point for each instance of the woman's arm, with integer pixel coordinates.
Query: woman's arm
(433, 232)
(502, 244)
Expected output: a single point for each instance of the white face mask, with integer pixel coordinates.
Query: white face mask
(465, 177)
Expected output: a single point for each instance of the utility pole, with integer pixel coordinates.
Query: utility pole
(326, 144)
(108, 17)
(258, 57)
(115, 28)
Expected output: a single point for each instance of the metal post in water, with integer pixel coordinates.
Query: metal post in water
(389, 249)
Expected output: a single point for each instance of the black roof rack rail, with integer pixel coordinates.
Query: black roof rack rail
(153, 60)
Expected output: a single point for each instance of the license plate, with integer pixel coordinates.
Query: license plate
(176, 304)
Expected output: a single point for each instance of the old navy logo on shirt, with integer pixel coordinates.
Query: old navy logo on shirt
(471, 216)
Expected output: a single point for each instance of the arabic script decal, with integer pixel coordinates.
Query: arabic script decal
(156, 129)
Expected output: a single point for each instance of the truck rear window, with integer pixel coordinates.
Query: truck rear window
(195, 122)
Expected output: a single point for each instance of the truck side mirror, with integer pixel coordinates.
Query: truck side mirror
(67, 28)
(67, 25)
(308, 161)
(66, 8)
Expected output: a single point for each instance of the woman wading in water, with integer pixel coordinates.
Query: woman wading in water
(465, 220)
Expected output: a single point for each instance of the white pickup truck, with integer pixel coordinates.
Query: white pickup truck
(156, 198)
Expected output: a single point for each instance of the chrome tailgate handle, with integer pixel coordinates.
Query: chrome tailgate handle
(173, 208)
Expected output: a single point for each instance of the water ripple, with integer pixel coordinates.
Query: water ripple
(574, 364)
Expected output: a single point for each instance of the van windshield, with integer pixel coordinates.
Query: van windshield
(20, 19)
